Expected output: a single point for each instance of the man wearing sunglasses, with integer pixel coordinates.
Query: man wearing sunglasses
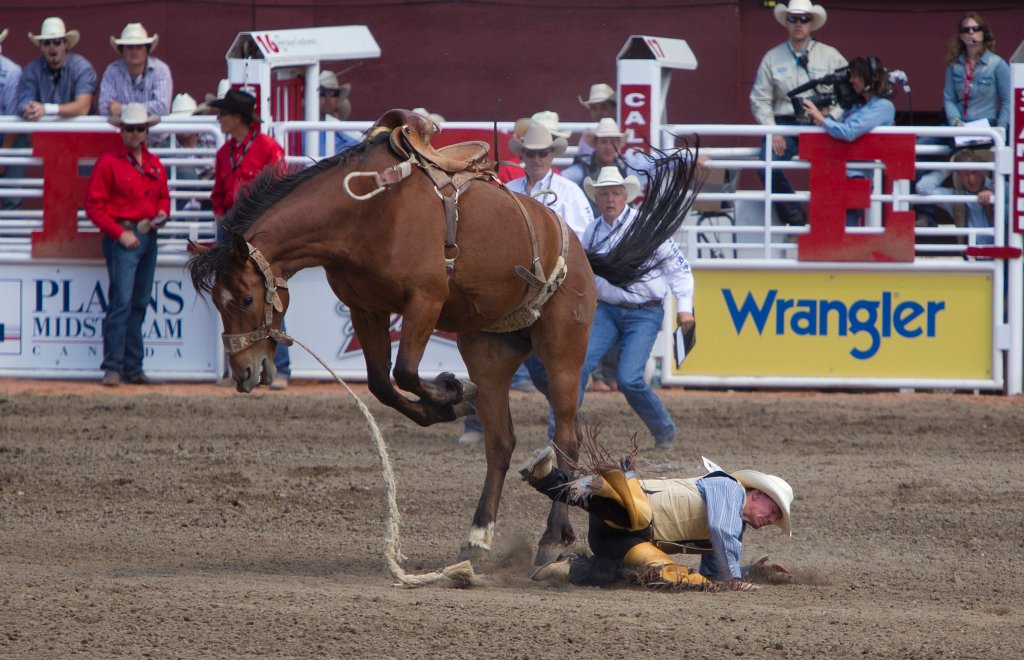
(59, 83)
(128, 200)
(335, 106)
(794, 62)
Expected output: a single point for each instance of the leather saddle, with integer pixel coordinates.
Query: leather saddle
(410, 134)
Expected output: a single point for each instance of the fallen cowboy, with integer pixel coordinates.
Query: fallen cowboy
(636, 524)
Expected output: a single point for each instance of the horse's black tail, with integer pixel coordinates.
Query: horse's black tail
(671, 189)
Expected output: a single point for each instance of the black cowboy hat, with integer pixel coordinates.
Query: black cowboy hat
(236, 102)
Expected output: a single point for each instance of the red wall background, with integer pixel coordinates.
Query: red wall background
(467, 60)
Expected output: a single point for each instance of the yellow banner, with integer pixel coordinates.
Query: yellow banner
(842, 324)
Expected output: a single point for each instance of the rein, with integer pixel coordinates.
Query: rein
(234, 344)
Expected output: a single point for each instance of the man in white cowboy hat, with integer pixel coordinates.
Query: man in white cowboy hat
(546, 118)
(601, 104)
(59, 83)
(184, 106)
(538, 149)
(137, 77)
(10, 75)
(335, 106)
(792, 63)
(128, 200)
(635, 524)
(608, 143)
(631, 319)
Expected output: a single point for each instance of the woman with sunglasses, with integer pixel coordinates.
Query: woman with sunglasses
(792, 63)
(977, 80)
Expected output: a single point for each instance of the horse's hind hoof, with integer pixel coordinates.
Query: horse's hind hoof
(463, 409)
(474, 553)
(548, 553)
(469, 390)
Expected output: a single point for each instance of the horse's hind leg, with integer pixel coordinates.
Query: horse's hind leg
(492, 360)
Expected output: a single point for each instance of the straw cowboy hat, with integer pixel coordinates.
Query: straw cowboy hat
(134, 34)
(599, 93)
(536, 138)
(608, 127)
(134, 114)
(817, 12)
(183, 106)
(329, 80)
(432, 116)
(610, 176)
(236, 102)
(772, 486)
(53, 28)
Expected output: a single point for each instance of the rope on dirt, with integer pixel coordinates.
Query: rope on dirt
(462, 572)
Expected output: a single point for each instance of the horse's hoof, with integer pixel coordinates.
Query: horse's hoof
(548, 553)
(463, 409)
(469, 390)
(474, 554)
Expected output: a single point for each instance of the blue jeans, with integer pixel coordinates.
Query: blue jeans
(790, 213)
(634, 332)
(282, 360)
(130, 289)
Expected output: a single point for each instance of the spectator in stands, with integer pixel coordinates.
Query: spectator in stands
(10, 75)
(185, 106)
(631, 318)
(548, 119)
(977, 80)
(335, 106)
(608, 143)
(975, 214)
(870, 80)
(245, 154)
(128, 200)
(601, 105)
(792, 63)
(137, 77)
(59, 83)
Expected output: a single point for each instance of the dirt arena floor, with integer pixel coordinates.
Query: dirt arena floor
(190, 521)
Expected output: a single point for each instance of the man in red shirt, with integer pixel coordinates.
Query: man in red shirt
(128, 200)
(245, 154)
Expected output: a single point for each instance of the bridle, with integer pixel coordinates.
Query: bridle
(234, 344)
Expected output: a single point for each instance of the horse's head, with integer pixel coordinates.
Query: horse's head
(251, 301)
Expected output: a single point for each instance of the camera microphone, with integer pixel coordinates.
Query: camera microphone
(898, 76)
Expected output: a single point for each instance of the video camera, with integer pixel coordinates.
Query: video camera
(840, 92)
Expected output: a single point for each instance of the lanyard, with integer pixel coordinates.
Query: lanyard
(611, 232)
(969, 68)
(150, 173)
(246, 145)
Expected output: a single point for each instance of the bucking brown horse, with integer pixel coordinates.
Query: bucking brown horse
(401, 228)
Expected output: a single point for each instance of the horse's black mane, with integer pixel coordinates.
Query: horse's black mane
(271, 186)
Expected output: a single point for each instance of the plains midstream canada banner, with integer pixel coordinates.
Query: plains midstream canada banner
(842, 324)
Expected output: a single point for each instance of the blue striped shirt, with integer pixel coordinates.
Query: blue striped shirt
(724, 498)
(152, 89)
(39, 83)
(10, 74)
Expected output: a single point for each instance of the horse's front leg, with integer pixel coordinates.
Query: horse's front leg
(373, 330)
(447, 394)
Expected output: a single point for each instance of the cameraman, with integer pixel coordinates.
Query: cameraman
(792, 63)
(870, 80)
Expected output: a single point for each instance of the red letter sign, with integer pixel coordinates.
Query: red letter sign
(832, 193)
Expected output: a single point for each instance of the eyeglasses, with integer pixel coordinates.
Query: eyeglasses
(332, 93)
(799, 18)
(134, 129)
(50, 42)
(967, 29)
(536, 153)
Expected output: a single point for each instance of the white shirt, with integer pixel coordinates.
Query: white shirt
(565, 199)
(673, 273)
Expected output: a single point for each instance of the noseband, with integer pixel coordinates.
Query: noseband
(237, 343)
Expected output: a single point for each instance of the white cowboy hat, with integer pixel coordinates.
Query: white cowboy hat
(134, 114)
(599, 93)
(538, 137)
(183, 106)
(432, 116)
(53, 28)
(608, 127)
(610, 176)
(329, 80)
(772, 486)
(817, 12)
(3, 35)
(134, 34)
(549, 120)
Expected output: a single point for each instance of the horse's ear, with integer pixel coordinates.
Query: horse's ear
(239, 247)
